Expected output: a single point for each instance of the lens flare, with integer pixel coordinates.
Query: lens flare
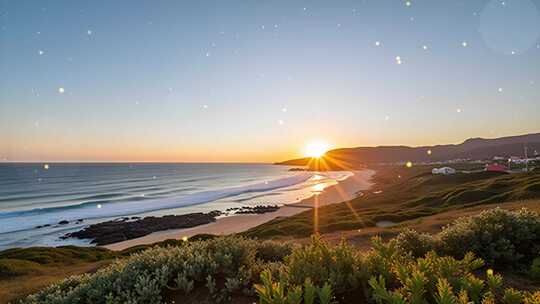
(316, 148)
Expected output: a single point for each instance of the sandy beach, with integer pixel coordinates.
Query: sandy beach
(342, 191)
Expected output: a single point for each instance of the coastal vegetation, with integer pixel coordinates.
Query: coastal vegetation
(466, 262)
(401, 194)
(488, 257)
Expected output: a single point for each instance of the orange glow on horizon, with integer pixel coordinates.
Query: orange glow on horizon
(316, 148)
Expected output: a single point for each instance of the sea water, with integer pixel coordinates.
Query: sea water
(38, 194)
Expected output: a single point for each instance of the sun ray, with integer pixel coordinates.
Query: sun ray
(324, 164)
(316, 148)
(316, 215)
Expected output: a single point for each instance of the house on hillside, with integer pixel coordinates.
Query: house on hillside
(443, 171)
(496, 168)
(516, 160)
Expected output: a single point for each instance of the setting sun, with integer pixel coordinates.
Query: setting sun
(316, 148)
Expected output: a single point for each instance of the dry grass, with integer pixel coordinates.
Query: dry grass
(431, 224)
(17, 287)
(403, 194)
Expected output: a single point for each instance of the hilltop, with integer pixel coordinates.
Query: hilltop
(473, 148)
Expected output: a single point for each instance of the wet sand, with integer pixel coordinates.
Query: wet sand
(342, 191)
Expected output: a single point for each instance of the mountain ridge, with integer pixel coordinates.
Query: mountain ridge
(475, 148)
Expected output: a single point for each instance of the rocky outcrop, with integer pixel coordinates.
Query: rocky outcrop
(125, 229)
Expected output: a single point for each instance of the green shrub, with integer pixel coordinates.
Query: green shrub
(271, 292)
(340, 266)
(418, 244)
(380, 261)
(498, 236)
(269, 251)
(534, 271)
(532, 298)
(310, 292)
(382, 295)
(432, 279)
(402, 270)
(445, 293)
(512, 296)
(142, 277)
(325, 294)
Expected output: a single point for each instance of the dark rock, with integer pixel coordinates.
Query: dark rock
(46, 225)
(256, 209)
(37, 227)
(64, 222)
(120, 229)
(298, 169)
(215, 213)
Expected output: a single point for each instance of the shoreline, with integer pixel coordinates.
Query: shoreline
(342, 191)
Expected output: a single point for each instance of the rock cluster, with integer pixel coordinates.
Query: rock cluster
(125, 229)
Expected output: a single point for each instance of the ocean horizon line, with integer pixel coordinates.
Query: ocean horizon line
(135, 162)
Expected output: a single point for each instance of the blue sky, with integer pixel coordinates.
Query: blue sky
(258, 80)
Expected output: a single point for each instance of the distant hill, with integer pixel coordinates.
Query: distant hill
(473, 148)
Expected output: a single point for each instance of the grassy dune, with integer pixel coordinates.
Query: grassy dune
(26, 270)
(403, 194)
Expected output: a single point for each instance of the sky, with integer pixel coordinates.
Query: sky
(257, 81)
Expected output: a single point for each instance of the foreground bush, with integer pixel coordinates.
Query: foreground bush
(271, 292)
(534, 270)
(498, 236)
(340, 266)
(383, 275)
(222, 265)
(418, 244)
(412, 268)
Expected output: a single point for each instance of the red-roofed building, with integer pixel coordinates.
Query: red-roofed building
(496, 168)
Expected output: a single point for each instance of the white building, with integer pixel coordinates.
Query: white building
(443, 171)
(519, 160)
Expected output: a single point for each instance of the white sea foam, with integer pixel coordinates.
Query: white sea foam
(17, 221)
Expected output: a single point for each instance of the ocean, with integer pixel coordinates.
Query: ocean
(38, 194)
